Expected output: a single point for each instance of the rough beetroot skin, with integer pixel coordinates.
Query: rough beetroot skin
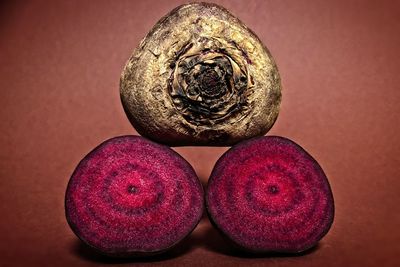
(268, 194)
(133, 197)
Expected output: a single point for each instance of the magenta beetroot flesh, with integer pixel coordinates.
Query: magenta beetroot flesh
(268, 194)
(133, 197)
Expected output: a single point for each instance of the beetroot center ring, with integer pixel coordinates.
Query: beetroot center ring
(268, 194)
(131, 196)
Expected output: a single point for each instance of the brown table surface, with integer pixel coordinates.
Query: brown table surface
(59, 98)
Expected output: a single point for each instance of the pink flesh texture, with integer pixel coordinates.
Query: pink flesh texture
(131, 196)
(268, 194)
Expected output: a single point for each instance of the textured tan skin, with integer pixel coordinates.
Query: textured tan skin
(144, 84)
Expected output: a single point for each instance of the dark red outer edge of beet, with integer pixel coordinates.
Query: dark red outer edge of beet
(132, 253)
(239, 246)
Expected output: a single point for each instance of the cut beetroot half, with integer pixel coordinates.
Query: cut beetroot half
(133, 197)
(268, 194)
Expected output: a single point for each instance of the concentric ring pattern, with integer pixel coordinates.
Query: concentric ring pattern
(268, 194)
(210, 81)
(131, 195)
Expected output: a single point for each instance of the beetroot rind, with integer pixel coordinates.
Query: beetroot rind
(133, 197)
(268, 194)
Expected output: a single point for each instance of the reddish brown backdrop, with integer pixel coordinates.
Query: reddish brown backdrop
(59, 75)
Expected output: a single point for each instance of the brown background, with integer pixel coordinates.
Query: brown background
(59, 98)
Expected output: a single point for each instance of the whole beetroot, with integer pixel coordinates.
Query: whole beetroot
(201, 77)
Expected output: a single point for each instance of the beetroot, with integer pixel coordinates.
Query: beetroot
(133, 197)
(268, 194)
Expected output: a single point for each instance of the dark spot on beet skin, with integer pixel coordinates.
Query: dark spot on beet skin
(133, 197)
(268, 194)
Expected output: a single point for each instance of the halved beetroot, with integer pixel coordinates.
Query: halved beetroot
(268, 194)
(133, 197)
